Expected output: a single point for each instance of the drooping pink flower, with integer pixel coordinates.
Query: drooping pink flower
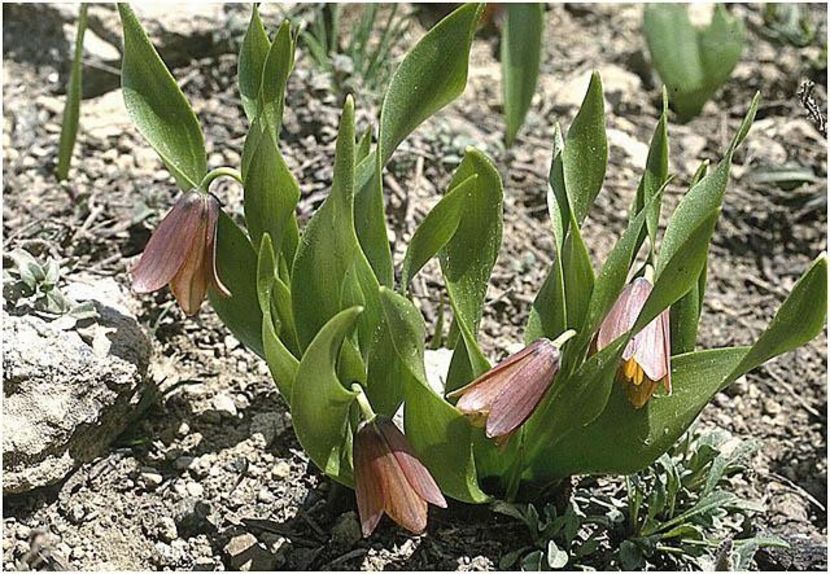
(390, 478)
(182, 253)
(504, 397)
(646, 360)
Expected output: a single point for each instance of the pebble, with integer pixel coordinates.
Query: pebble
(151, 480)
(183, 462)
(76, 514)
(346, 531)
(23, 532)
(184, 429)
(281, 470)
(223, 404)
(195, 489)
(167, 529)
(265, 496)
(771, 407)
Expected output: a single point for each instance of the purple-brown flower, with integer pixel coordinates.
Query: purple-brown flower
(390, 478)
(647, 357)
(504, 397)
(182, 253)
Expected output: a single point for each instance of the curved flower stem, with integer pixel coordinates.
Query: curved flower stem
(363, 402)
(217, 173)
(563, 338)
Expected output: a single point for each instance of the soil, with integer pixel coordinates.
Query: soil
(214, 464)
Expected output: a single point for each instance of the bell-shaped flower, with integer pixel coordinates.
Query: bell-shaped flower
(390, 478)
(646, 360)
(504, 397)
(182, 253)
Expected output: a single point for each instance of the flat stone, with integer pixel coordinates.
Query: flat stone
(67, 396)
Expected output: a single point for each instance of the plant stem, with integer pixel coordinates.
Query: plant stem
(563, 338)
(363, 402)
(217, 173)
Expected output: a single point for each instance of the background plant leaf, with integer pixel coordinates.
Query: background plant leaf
(71, 111)
(521, 50)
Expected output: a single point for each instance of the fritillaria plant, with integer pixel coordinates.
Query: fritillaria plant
(344, 341)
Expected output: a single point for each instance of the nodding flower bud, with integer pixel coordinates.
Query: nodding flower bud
(646, 360)
(182, 253)
(390, 478)
(504, 397)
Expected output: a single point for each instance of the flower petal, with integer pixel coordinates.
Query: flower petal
(400, 501)
(416, 473)
(651, 349)
(190, 284)
(170, 244)
(210, 247)
(623, 315)
(368, 487)
(478, 396)
(525, 389)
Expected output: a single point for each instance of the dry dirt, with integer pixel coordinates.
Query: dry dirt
(214, 461)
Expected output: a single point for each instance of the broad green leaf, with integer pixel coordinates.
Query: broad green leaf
(585, 156)
(436, 430)
(158, 107)
(281, 362)
(468, 259)
(271, 192)
(578, 276)
(276, 69)
(436, 229)
(692, 62)
(328, 245)
(685, 244)
(252, 56)
(799, 319)
(655, 175)
(71, 111)
(521, 50)
(236, 262)
(431, 75)
(364, 146)
(320, 402)
(623, 440)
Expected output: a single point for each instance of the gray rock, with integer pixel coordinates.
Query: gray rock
(346, 532)
(68, 395)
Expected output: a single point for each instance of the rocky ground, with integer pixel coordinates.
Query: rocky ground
(210, 476)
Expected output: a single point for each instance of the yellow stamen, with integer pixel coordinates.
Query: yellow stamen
(633, 372)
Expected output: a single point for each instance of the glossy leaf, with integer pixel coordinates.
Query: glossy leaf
(158, 107)
(585, 155)
(320, 402)
(236, 262)
(437, 431)
(521, 50)
(468, 258)
(436, 229)
(271, 192)
(278, 65)
(692, 62)
(655, 175)
(328, 245)
(72, 108)
(281, 362)
(252, 56)
(432, 74)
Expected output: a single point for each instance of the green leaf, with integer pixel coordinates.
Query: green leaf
(468, 259)
(623, 440)
(281, 362)
(71, 111)
(278, 65)
(328, 245)
(320, 403)
(236, 262)
(437, 431)
(431, 75)
(158, 107)
(252, 56)
(692, 62)
(521, 50)
(799, 319)
(655, 175)
(585, 156)
(436, 229)
(578, 276)
(271, 192)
